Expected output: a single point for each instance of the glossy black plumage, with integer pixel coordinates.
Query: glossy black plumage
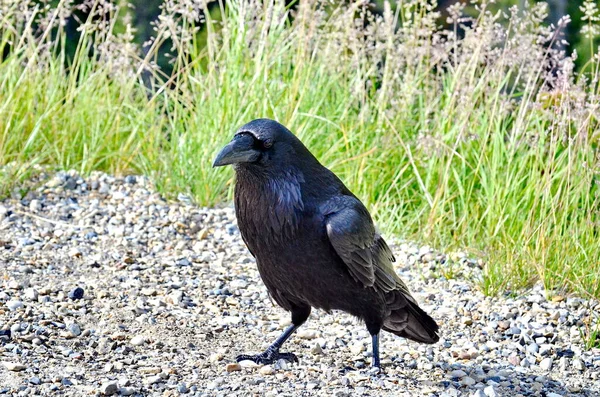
(314, 242)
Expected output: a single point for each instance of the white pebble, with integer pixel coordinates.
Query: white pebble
(137, 340)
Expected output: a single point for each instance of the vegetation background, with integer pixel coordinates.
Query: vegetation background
(464, 125)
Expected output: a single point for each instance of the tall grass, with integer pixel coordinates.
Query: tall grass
(478, 137)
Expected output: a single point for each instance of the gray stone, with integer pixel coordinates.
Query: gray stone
(34, 380)
(74, 329)
(14, 305)
(109, 388)
(490, 391)
(546, 364)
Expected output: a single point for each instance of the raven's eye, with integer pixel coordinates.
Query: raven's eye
(267, 143)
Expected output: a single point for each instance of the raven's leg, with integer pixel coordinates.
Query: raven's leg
(374, 328)
(272, 354)
(375, 361)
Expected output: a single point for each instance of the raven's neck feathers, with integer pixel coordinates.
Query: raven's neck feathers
(272, 200)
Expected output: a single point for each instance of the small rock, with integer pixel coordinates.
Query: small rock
(316, 349)
(545, 349)
(16, 367)
(248, 364)
(457, 373)
(578, 364)
(468, 381)
(127, 391)
(26, 241)
(563, 364)
(216, 357)
(70, 184)
(546, 364)
(514, 331)
(490, 391)
(148, 291)
(76, 293)
(154, 379)
(357, 348)
(34, 380)
(232, 367)
(74, 329)
(31, 294)
(533, 348)
(109, 388)
(35, 205)
(514, 360)
(183, 262)
(307, 334)
(182, 388)
(202, 234)
(14, 305)
(267, 370)
(138, 340)
(313, 385)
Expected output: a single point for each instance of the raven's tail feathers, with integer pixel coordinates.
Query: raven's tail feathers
(411, 322)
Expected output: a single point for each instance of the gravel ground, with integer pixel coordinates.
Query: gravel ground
(106, 288)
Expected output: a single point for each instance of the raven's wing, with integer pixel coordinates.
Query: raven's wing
(353, 236)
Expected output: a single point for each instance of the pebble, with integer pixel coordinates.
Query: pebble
(12, 366)
(457, 373)
(154, 379)
(468, 381)
(232, 367)
(14, 305)
(74, 329)
(546, 364)
(34, 380)
(180, 275)
(248, 364)
(307, 334)
(109, 388)
(578, 364)
(357, 348)
(138, 340)
(182, 388)
(267, 370)
(76, 293)
(316, 349)
(31, 294)
(127, 391)
(545, 349)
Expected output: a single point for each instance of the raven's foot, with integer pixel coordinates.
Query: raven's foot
(269, 356)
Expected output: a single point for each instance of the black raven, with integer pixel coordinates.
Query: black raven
(314, 242)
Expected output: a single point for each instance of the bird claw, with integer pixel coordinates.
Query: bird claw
(268, 357)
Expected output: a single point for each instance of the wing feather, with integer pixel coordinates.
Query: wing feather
(353, 236)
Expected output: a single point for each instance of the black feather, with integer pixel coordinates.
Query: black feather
(314, 242)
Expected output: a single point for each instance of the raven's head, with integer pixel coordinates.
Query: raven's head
(262, 143)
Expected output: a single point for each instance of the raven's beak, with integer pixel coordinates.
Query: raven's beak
(239, 150)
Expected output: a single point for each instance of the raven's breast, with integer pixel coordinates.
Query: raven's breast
(296, 261)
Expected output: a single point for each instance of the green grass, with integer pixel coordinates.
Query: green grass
(457, 142)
